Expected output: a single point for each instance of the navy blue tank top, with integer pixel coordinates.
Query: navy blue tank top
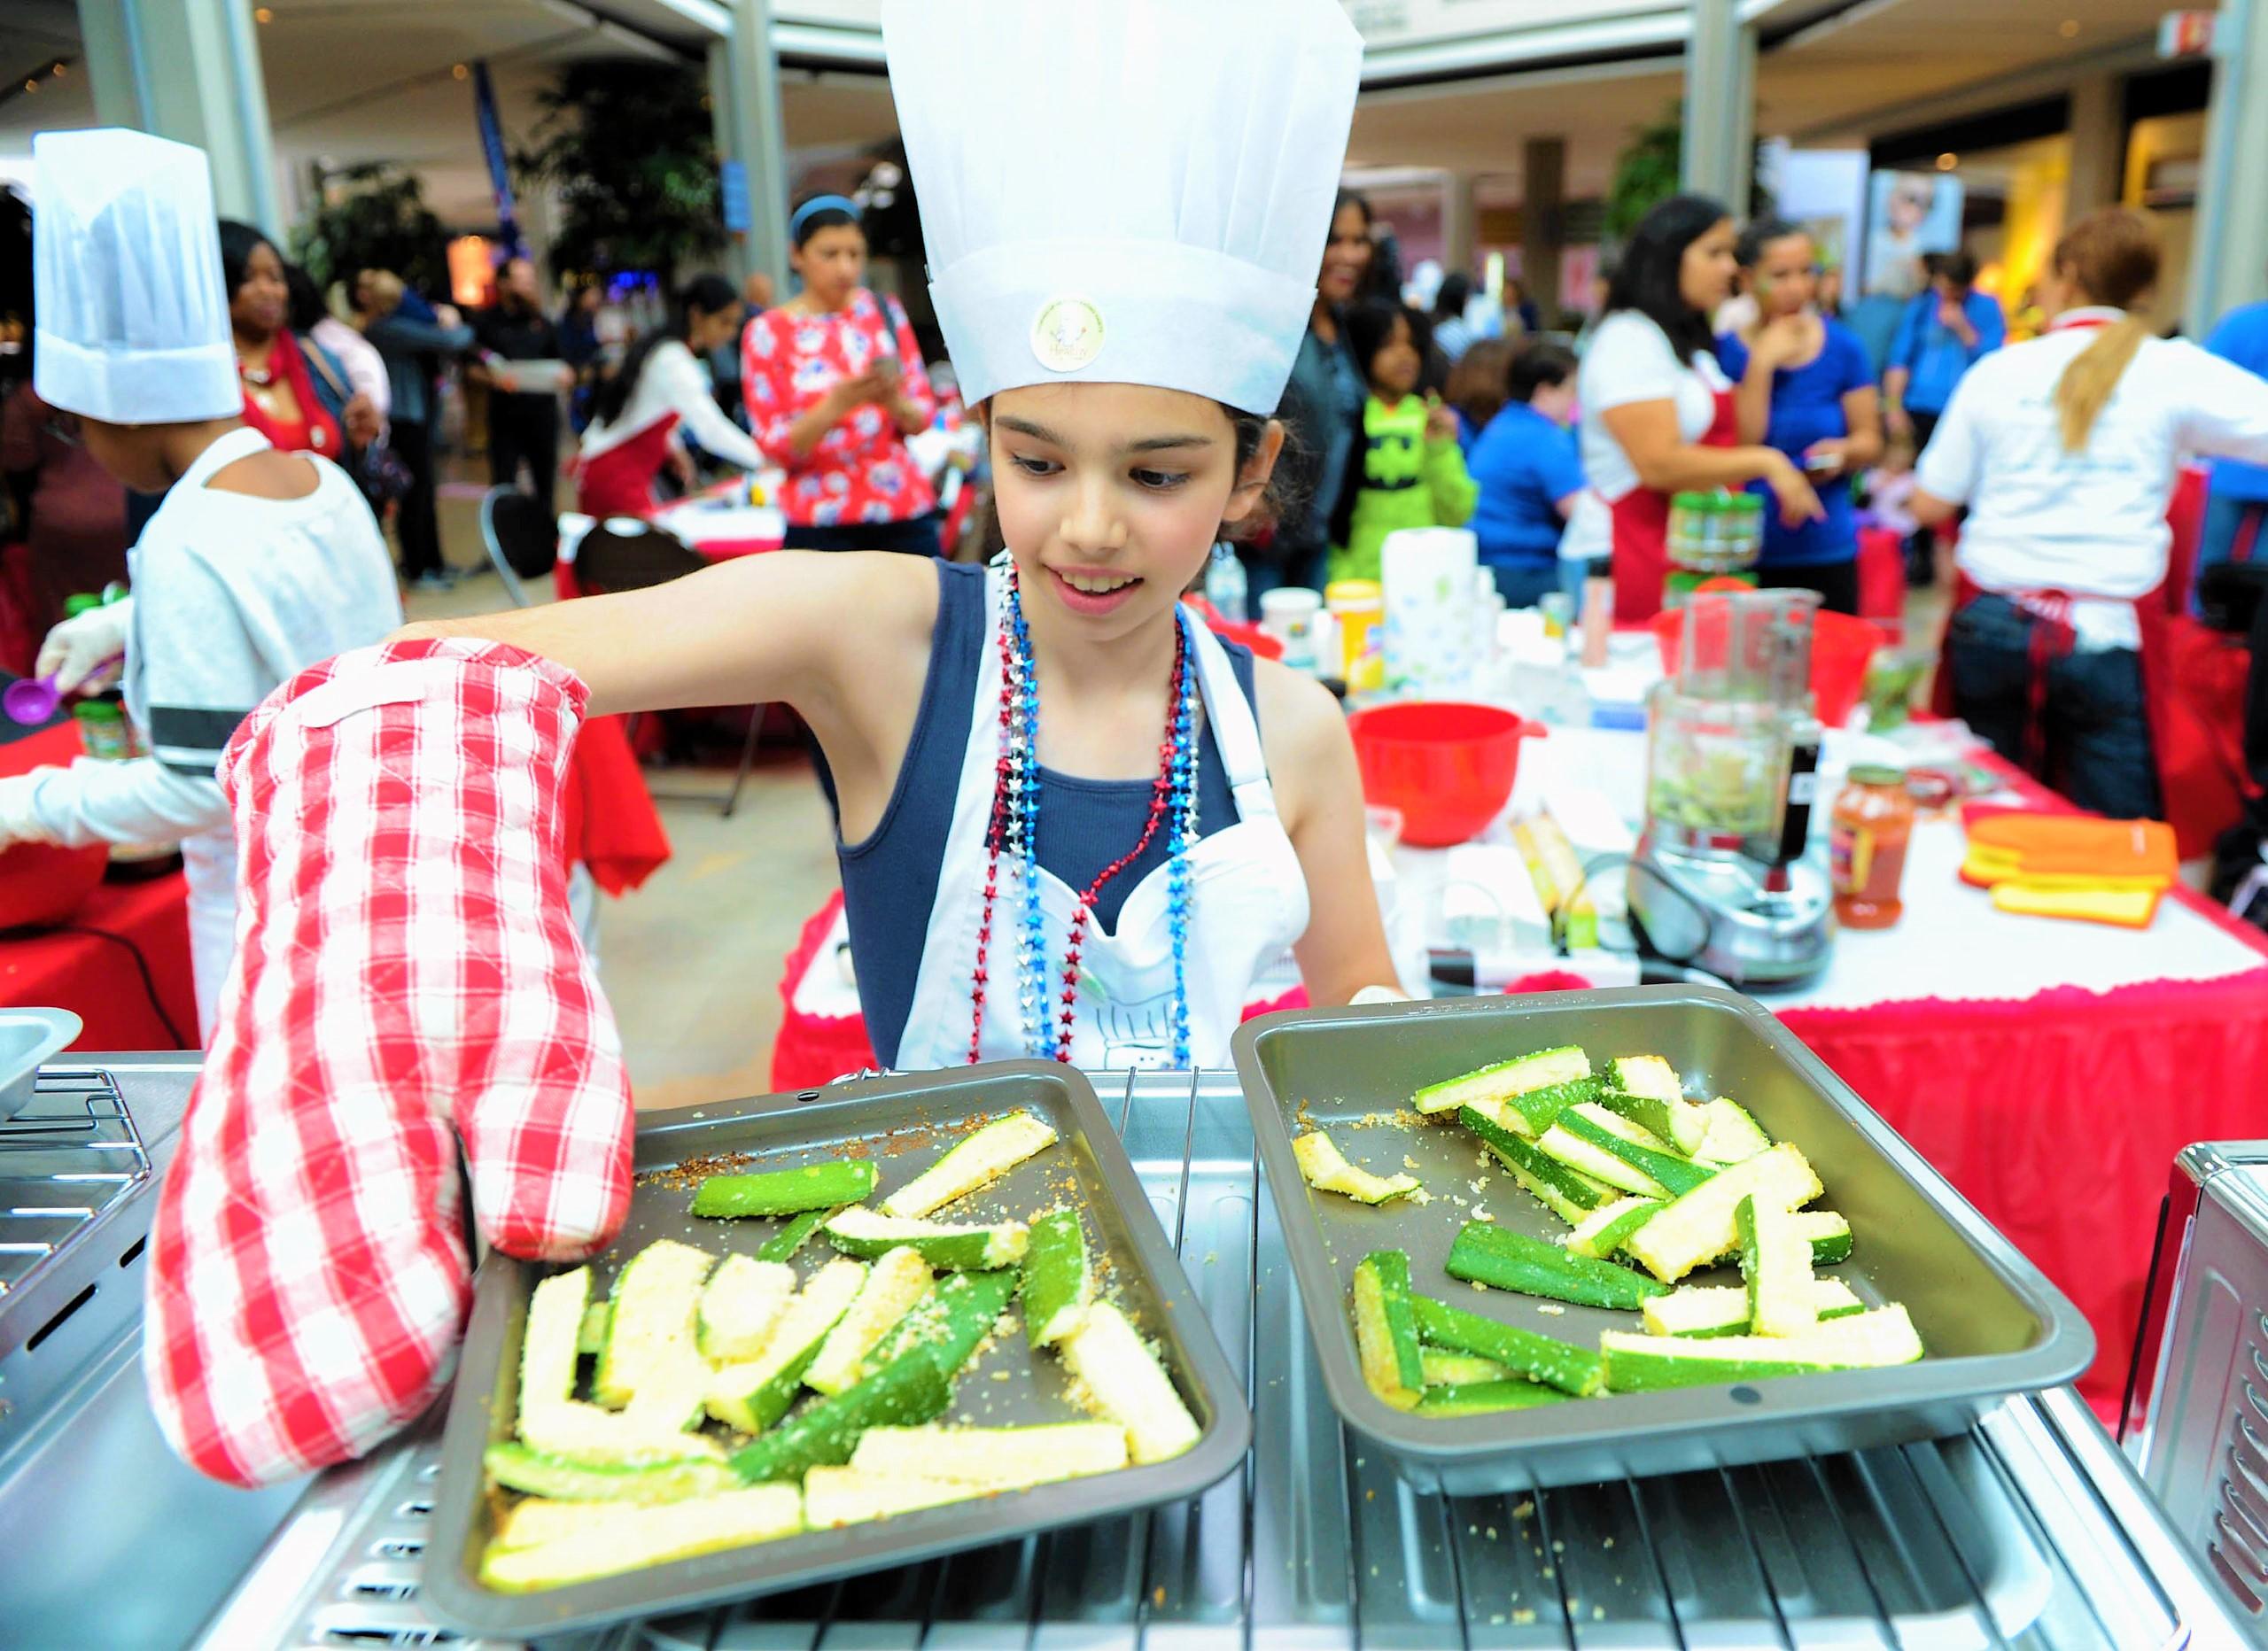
(889, 881)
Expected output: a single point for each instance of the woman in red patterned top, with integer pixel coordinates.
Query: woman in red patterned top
(835, 385)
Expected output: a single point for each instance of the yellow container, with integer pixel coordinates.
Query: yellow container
(1358, 606)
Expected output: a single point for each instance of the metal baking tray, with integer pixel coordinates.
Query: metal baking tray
(903, 1124)
(1992, 1323)
(27, 1038)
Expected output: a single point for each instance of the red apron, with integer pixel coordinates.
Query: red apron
(1642, 530)
(621, 481)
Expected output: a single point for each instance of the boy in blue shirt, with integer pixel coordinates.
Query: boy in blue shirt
(1530, 475)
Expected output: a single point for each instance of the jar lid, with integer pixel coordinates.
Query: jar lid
(1747, 504)
(98, 710)
(1877, 774)
(1704, 503)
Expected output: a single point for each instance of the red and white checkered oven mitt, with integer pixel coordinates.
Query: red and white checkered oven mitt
(405, 961)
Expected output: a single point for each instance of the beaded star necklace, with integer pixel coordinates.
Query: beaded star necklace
(1013, 836)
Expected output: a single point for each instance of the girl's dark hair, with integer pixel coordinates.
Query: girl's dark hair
(825, 218)
(1646, 278)
(238, 242)
(706, 294)
(1760, 234)
(1478, 387)
(308, 306)
(1538, 366)
(1359, 201)
(1455, 293)
(1369, 325)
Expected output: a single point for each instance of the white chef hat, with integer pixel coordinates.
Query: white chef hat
(132, 321)
(1124, 191)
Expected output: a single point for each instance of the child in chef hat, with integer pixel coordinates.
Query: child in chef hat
(257, 564)
(1073, 822)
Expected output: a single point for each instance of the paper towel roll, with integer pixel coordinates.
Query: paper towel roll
(1428, 574)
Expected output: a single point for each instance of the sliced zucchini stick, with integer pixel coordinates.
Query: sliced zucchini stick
(635, 1537)
(1495, 1086)
(1696, 1229)
(1485, 1254)
(550, 1339)
(864, 1234)
(785, 1191)
(1479, 1398)
(1600, 1234)
(985, 1156)
(1830, 1234)
(1386, 1329)
(1714, 1310)
(824, 1434)
(1566, 1193)
(740, 1304)
(1633, 1145)
(897, 1280)
(1444, 1368)
(1128, 1385)
(753, 1396)
(593, 1334)
(949, 1321)
(1733, 1137)
(517, 1468)
(1059, 1282)
(1776, 1262)
(1000, 1459)
(1323, 1166)
(834, 1497)
(1637, 1364)
(1570, 1369)
(651, 1335)
(782, 1245)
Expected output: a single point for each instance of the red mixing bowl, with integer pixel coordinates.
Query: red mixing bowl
(1447, 765)
(42, 885)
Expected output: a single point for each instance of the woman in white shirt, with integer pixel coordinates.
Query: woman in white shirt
(663, 386)
(2065, 450)
(1657, 415)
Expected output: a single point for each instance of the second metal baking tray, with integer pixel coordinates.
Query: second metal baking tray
(903, 1124)
(1991, 1321)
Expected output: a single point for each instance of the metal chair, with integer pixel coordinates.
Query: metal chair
(521, 537)
(618, 555)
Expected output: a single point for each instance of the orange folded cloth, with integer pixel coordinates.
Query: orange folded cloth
(2076, 845)
(2121, 908)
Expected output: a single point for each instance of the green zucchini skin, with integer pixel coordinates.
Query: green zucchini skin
(1574, 1370)
(912, 1389)
(785, 1191)
(1485, 1253)
(782, 1245)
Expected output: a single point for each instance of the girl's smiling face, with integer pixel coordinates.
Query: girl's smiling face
(1112, 496)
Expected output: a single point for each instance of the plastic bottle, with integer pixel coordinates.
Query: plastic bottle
(1226, 587)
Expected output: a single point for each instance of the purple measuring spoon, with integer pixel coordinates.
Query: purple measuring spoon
(30, 700)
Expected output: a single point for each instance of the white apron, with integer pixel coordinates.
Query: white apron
(1248, 901)
(208, 858)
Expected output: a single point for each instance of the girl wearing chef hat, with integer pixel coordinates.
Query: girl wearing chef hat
(1074, 824)
(257, 564)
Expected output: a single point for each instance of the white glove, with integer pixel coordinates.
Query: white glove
(20, 821)
(87, 652)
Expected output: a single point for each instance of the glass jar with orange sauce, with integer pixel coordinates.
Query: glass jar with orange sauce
(1868, 831)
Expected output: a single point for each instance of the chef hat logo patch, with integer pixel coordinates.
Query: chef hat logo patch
(1067, 335)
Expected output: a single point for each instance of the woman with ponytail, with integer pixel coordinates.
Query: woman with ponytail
(2065, 450)
(664, 386)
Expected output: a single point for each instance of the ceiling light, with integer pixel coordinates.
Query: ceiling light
(31, 86)
(457, 71)
(2068, 27)
(261, 14)
(56, 71)
(1947, 161)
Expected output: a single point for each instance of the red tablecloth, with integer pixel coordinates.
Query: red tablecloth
(121, 965)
